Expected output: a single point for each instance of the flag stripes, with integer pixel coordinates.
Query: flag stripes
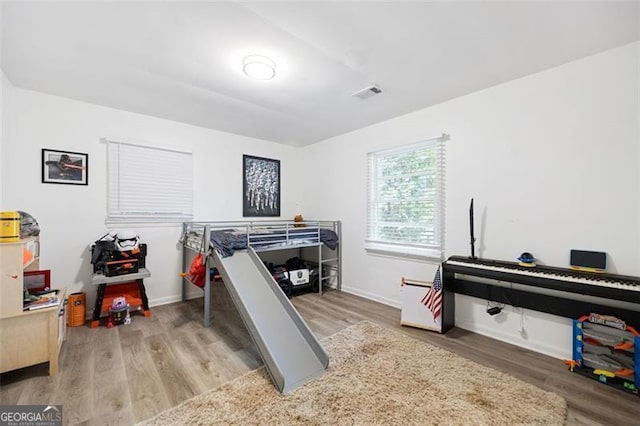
(433, 299)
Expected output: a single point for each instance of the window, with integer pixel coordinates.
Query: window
(406, 200)
(148, 184)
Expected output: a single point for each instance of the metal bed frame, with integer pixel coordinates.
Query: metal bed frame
(283, 235)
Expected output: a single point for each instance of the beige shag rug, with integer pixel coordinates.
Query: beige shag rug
(377, 376)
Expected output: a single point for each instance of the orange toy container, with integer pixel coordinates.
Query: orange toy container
(77, 309)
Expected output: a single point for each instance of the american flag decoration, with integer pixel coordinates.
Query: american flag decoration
(433, 299)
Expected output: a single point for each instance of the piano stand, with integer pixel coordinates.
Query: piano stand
(564, 299)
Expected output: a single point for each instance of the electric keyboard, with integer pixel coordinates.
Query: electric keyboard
(619, 287)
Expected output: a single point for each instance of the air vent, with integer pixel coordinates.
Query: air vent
(367, 92)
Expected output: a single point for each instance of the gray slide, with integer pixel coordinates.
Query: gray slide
(290, 351)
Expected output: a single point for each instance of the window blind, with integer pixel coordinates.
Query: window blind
(406, 199)
(148, 184)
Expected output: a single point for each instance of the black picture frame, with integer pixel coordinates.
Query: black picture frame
(260, 187)
(65, 167)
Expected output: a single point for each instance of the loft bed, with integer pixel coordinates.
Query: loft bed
(227, 237)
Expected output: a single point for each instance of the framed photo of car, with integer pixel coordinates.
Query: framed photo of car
(65, 167)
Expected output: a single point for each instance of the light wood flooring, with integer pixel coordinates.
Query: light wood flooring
(131, 372)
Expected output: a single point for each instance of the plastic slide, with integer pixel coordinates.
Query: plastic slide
(289, 350)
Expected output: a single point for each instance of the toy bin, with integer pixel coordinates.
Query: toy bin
(77, 309)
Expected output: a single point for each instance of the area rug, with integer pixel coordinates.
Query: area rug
(377, 376)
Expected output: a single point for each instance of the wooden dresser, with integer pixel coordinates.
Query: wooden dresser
(26, 337)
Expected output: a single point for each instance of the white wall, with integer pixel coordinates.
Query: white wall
(552, 162)
(71, 217)
(637, 120)
(551, 159)
(4, 85)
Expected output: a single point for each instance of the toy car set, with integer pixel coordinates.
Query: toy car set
(295, 275)
(606, 349)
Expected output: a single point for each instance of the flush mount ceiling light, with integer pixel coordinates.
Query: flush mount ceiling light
(259, 67)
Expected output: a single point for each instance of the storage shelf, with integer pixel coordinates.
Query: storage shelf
(97, 279)
(33, 336)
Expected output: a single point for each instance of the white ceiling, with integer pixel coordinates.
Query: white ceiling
(182, 60)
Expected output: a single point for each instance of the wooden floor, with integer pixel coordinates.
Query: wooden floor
(131, 372)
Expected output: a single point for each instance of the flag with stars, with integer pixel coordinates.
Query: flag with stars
(433, 299)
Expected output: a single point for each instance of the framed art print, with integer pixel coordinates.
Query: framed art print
(65, 167)
(260, 186)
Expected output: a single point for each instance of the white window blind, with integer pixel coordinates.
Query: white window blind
(148, 184)
(406, 199)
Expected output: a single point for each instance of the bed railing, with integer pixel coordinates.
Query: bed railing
(261, 235)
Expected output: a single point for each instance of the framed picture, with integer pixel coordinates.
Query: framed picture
(260, 186)
(65, 167)
(36, 281)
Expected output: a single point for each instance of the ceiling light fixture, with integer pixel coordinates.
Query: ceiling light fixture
(259, 67)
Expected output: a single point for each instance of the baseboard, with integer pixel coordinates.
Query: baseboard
(512, 339)
(536, 346)
(372, 296)
(160, 301)
(164, 300)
